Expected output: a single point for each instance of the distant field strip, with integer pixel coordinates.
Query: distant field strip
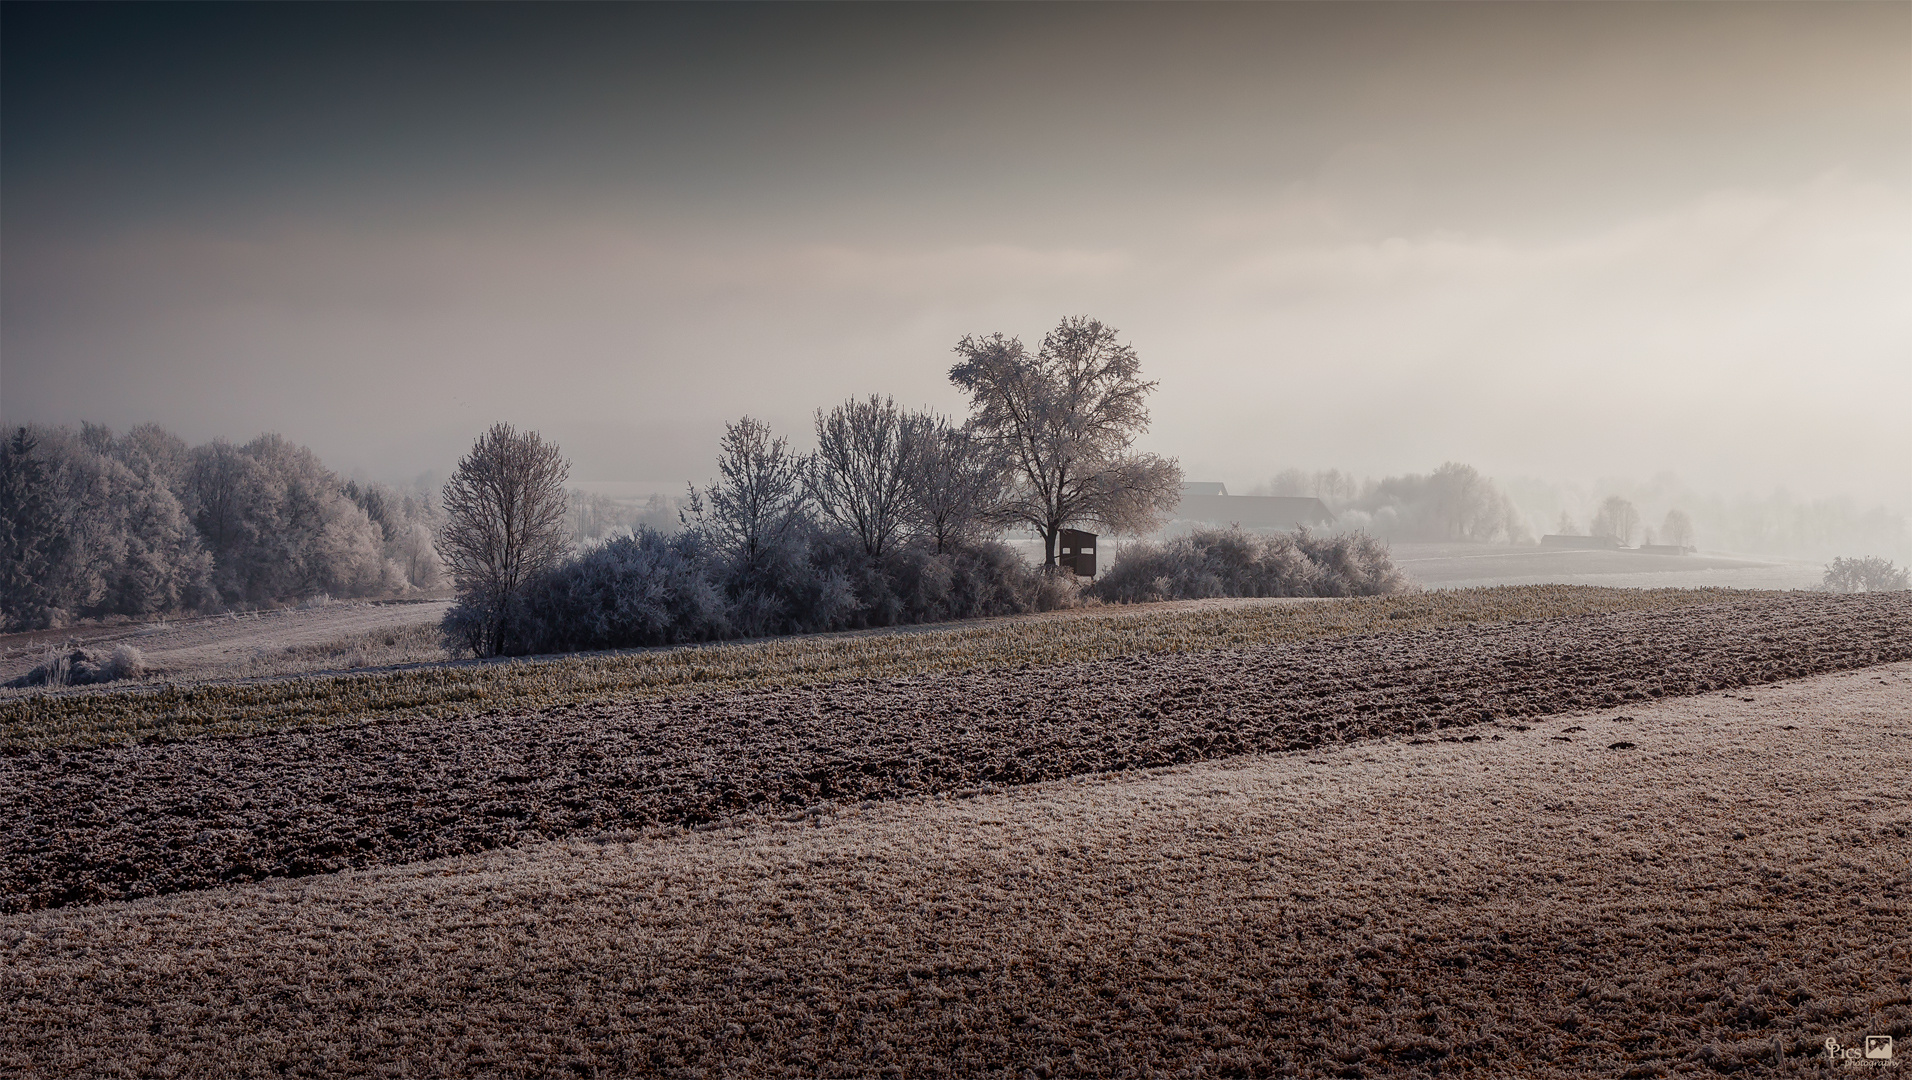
(80, 718)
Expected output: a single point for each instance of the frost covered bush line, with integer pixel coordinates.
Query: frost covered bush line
(649, 589)
(1229, 562)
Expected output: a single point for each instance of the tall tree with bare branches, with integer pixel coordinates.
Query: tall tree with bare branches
(1616, 518)
(1063, 423)
(860, 475)
(956, 485)
(504, 510)
(759, 498)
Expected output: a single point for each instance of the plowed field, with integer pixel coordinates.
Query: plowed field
(1723, 895)
(84, 825)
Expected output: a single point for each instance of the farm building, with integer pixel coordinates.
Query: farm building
(1211, 504)
(1580, 543)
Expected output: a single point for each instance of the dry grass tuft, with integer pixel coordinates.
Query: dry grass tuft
(181, 711)
(418, 643)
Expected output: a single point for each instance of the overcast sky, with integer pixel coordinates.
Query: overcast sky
(1550, 240)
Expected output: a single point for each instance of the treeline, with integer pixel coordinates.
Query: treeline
(786, 543)
(1455, 502)
(95, 525)
(1452, 503)
(895, 518)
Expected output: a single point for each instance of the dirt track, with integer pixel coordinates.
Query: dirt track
(90, 825)
(1722, 897)
(240, 645)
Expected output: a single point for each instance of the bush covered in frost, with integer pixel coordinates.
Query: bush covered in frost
(1871, 574)
(648, 589)
(84, 667)
(1229, 562)
(640, 589)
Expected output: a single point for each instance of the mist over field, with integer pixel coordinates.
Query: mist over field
(1581, 248)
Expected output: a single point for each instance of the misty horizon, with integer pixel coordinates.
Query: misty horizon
(1583, 246)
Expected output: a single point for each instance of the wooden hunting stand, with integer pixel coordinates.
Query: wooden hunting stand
(1078, 552)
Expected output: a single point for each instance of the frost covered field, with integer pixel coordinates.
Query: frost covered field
(1638, 841)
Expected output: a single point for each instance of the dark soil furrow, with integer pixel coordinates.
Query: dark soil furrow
(114, 822)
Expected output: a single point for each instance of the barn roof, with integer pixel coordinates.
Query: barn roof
(1252, 511)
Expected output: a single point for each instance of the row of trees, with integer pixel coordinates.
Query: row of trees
(1619, 520)
(1454, 502)
(1048, 444)
(96, 525)
(892, 518)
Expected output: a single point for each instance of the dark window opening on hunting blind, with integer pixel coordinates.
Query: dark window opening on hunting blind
(1078, 552)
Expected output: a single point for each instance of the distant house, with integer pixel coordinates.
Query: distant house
(1211, 504)
(1579, 543)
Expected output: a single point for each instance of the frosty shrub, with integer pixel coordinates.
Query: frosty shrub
(642, 589)
(964, 583)
(127, 662)
(652, 589)
(1352, 564)
(83, 667)
(1229, 562)
(1871, 574)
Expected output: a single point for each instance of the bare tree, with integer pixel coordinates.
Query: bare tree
(417, 557)
(1677, 529)
(1333, 487)
(1063, 422)
(1616, 518)
(759, 497)
(860, 476)
(504, 510)
(1464, 505)
(956, 484)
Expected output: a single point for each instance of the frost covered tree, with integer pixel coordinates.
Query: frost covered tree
(759, 498)
(1870, 574)
(32, 537)
(1677, 529)
(130, 548)
(1616, 518)
(860, 475)
(1063, 423)
(281, 525)
(504, 524)
(956, 485)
